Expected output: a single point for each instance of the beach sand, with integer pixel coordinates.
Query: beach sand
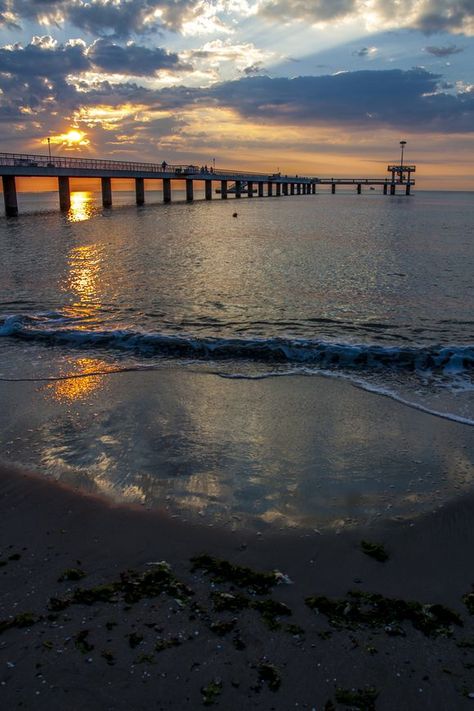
(155, 640)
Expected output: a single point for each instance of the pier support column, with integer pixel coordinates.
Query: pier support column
(238, 188)
(285, 188)
(189, 191)
(359, 188)
(64, 193)
(260, 190)
(408, 189)
(249, 189)
(298, 189)
(385, 186)
(208, 189)
(333, 188)
(278, 189)
(166, 189)
(270, 189)
(106, 192)
(224, 189)
(392, 189)
(9, 195)
(292, 188)
(140, 191)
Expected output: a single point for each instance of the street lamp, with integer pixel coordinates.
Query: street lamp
(403, 144)
(49, 148)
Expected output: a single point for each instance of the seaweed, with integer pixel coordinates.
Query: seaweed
(163, 644)
(221, 571)
(23, 619)
(468, 600)
(374, 610)
(211, 692)
(132, 586)
(231, 602)
(134, 639)
(362, 699)
(374, 550)
(81, 642)
(270, 611)
(223, 627)
(71, 574)
(108, 656)
(269, 674)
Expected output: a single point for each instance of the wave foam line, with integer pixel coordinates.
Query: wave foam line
(450, 360)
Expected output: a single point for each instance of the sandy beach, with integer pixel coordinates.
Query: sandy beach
(331, 629)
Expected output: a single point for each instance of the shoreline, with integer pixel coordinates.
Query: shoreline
(165, 651)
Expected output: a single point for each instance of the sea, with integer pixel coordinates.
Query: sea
(99, 306)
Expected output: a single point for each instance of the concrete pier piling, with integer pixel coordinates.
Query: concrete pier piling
(359, 188)
(64, 193)
(292, 188)
(270, 189)
(285, 189)
(385, 188)
(408, 189)
(333, 188)
(106, 192)
(392, 189)
(208, 189)
(249, 189)
(278, 189)
(9, 195)
(140, 191)
(224, 189)
(189, 190)
(298, 189)
(238, 189)
(260, 190)
(166, 190)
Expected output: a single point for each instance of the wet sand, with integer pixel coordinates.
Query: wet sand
(172, 651)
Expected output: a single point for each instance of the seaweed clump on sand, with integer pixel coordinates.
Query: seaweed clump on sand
(132, 586)
(269, 674)
(374, 610)
(23, 619)
(270, 610)
(211, 692)
(374, 550)
(468, 600)
(362, 699)
(221, 571)
(71, 574)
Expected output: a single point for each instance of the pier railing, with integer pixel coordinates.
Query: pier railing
(30, 160)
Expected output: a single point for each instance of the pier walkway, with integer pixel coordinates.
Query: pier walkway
(231, 182)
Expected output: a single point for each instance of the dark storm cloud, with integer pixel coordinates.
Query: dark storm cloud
(412, 99)
(132, 59)
(39, 59)
(444, 51)
(113, 18)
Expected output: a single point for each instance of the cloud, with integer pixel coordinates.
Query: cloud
(428, 16)
(118, 19)
(365, 52)
(133, 59)
(443, 51)
(410, 99)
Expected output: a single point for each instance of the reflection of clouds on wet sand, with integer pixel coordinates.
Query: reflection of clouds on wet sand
(286, 453)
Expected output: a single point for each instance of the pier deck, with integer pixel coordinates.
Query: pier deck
(232, 182)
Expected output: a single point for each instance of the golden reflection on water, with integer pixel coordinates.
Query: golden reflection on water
(81, 207)
(83, 280)
(77, 384)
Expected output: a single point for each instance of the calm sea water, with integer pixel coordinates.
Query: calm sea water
(379, 291)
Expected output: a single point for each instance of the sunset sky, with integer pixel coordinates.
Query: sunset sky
(316, 87)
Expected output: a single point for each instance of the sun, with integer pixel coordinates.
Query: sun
(74, 138)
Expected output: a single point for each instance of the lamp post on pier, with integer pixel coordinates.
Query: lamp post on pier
(402, 144)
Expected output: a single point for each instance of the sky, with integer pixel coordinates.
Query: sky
(314, 87)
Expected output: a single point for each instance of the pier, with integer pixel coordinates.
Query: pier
(229, 182)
